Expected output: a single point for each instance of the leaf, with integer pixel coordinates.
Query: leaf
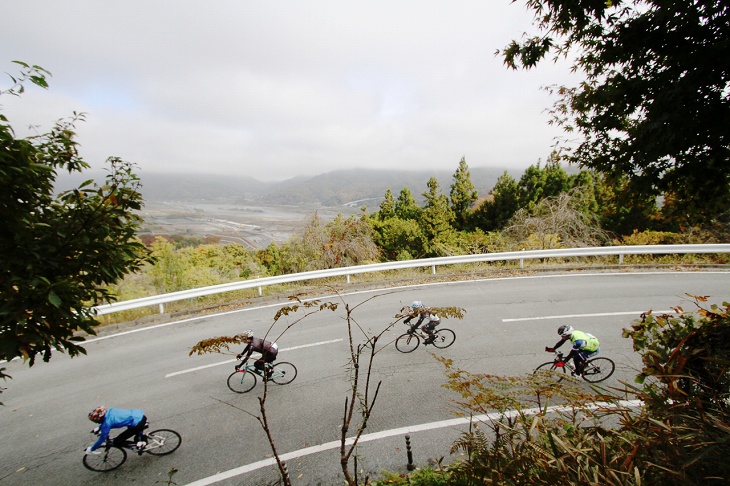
(54, 299)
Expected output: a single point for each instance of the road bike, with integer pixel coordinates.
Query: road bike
(110, 456)
(244, 378)
(408, 342)
(595, 370)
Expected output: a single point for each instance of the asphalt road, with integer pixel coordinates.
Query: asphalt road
(508, 323)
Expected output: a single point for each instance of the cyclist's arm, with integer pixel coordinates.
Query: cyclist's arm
(103, 434)
(246, 352)
(559, 343)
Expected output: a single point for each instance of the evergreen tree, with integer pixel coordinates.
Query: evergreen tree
(493, 214)
(406, 206)
(462, 194)
(436, 221)
(387, 207)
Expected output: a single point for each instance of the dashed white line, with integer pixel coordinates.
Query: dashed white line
(600, 314)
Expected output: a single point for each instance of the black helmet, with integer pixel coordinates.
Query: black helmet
(565, 330)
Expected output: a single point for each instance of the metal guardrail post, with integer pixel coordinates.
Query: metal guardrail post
(261, 291)
(620, 258)
(409, 454)
(433, 269)
(348, 278)
(162, 308)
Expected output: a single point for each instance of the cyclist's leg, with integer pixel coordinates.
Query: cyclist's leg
(134, 430)
(269, 359)
(580, 359)
(428, 329)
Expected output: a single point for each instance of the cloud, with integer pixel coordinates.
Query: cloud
(278, 89)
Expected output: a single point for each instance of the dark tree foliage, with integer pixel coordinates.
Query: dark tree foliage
(654, 109)
(58, 253)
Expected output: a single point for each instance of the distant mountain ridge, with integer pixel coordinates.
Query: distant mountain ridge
(347, 186)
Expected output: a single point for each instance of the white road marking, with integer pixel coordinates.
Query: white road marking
(229, 361)
(600, 314)
(389, 433)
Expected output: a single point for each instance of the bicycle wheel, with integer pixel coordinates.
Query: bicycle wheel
(241, 381)
(554, 373)
(162, 442)
(407, 343)
(598, 369)
(109, 459)
(284, 373)
(444, 338)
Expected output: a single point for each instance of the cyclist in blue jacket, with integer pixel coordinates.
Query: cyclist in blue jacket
(115, 418)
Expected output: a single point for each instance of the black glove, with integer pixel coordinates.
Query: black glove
(238, 356)
(549, 350)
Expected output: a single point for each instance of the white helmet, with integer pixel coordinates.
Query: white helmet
(416, 304)
(247, 334)
(565, 331)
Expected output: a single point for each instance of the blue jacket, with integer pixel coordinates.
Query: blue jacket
(116, 418)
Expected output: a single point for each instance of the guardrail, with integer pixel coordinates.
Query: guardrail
(259, 283)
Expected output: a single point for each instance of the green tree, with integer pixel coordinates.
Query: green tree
(59, 252)
(406, 206)
(436, 221)
(399, 239)
(387, 207)
(462, 194)
(538, 183)
(493, 214)
(654, 108)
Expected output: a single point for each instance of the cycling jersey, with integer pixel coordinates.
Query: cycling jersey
(116, 418)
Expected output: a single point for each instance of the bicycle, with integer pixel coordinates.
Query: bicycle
(110, 456)
(408, 342)
(244, 378)
(595, 370)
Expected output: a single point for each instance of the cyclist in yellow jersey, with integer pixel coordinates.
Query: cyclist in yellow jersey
(585, 346)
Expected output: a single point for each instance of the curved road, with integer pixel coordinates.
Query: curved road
(508, 323)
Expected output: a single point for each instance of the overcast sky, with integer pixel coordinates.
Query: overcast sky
(275, 89)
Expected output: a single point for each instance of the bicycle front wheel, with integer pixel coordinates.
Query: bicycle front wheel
(109, 459)
(553, 373)
(162, 442)
(284, 373)
(444, 338)
(407, 343)
(241, 381)
(598, 369)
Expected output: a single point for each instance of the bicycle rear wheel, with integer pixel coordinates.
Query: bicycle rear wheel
(284, 373)
(162, 442)
(241, 381)
(444, 338)
(407, 343)
(598, 369)
(552, 372)
(109, 459)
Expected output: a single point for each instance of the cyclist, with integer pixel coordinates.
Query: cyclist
(267, 349)
(115, 418)
(585, 346)
(424, 314)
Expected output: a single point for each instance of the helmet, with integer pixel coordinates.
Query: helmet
(97, 415)
(247, 334)
(416, 304)
(565, 330)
